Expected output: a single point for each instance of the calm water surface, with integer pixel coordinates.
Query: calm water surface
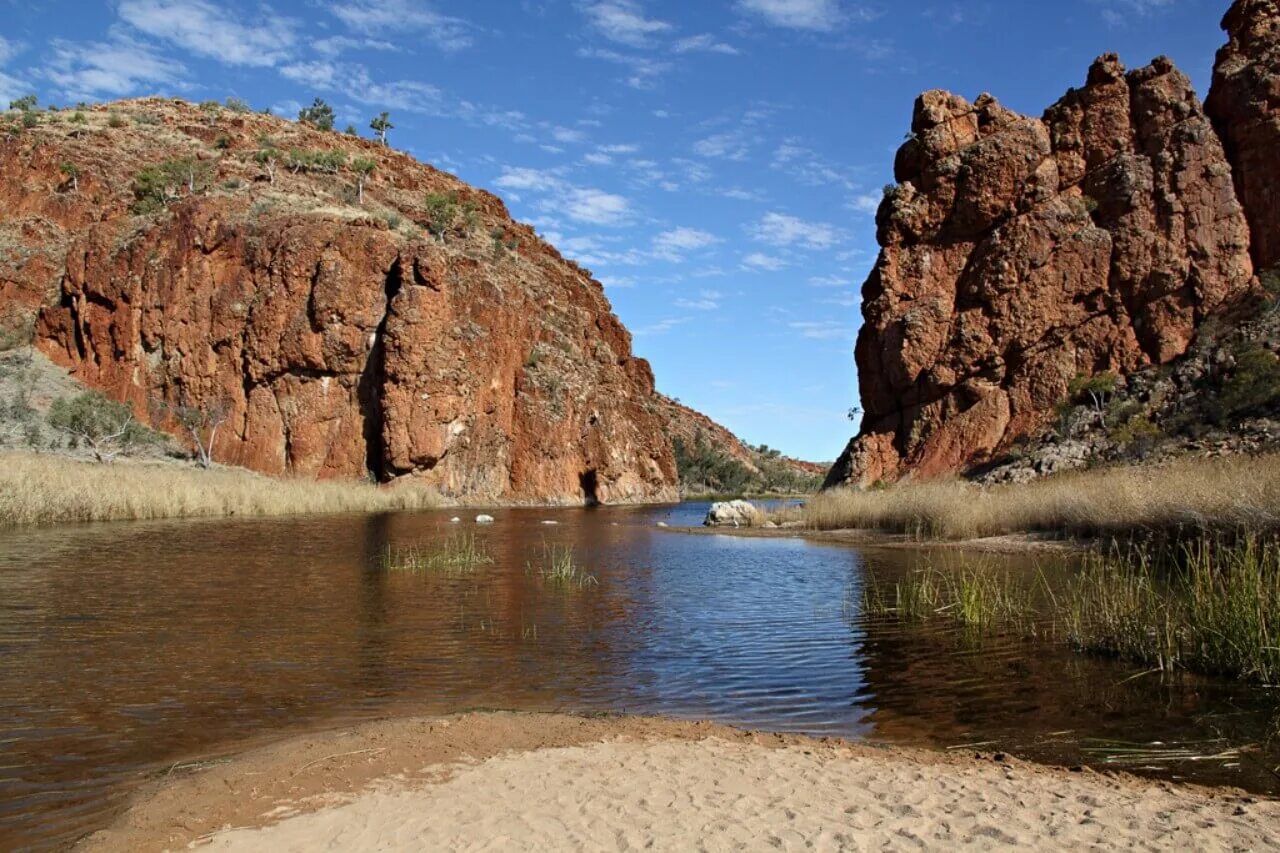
(125, 648)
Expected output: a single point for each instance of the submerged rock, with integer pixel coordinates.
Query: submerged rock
(484, 519)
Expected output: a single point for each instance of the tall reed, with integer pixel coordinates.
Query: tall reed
(1190, 496)
(457, 555)
(48, 489)
(1214, 607)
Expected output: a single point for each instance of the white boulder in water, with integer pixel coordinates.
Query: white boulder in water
(455, 520)
(733, 514)
(484, 519)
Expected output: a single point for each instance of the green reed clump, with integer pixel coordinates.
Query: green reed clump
(1212, 606)
(457, 555)
(559, 568)
(978, 597)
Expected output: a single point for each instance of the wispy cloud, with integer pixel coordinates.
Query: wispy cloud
(781, 229)
(675, 244)
(707, 300)
(355, 82)
(1120, 12)
(624, 21)
(644, 70)
(761, 261)
(373, 17)
(213, 31)
(559, 196)
(121, 66)
(660, 327)
(822, 330)
(819, 15)
(704, 43)
(865, 203)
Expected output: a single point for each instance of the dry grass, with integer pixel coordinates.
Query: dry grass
(1236, 493)
(47, 489)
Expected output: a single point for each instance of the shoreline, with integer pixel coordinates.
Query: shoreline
(509, 778)
(1010, 543)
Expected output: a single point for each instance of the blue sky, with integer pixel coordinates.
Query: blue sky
(715, 163)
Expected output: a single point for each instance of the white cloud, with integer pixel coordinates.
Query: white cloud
(821, 330)
(597, 158)
(537, 180)
(208, 30)
(122, 66)
(708, 300)
(732, 145)
(780, 229)
(660, 327)
(8, 50)
(820, 15)
(643, 69)
(761, 261)
(397, 16)
(705, 43)
(865, 203)
(568, 135)
(829, 281)
(355, 82)
(616, 282)
(596, 207)
(1121, 12)
(334, 45)
(624, 21)
(676, 243)
(562, 198)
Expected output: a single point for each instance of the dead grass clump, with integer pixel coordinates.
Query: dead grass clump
(47, 489)
(1235, 493)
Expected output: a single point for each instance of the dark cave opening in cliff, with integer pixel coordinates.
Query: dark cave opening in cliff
(590, 483)
(369, 390)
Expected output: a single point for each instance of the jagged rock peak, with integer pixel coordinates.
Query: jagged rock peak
(1019, 252)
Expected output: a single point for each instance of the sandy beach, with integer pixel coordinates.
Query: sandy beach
(536, 782)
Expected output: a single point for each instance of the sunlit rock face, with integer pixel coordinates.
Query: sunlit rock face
(1019, 252)
(1244, 104)
(344, 337)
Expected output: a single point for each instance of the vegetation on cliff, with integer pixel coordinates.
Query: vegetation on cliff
(344, 310)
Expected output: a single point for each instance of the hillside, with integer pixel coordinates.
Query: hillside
(712, 460)
(1023, 258)
(340, 318)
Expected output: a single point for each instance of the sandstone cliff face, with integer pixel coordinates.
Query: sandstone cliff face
(1244, 104)
(1019, 252)
(342, 339)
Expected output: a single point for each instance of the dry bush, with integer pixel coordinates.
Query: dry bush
(46, 489)
(1235, 493)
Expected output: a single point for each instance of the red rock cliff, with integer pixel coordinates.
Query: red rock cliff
(1244, 104)
(345, 338)
(1019, 252)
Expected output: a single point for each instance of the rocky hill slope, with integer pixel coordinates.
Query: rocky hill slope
(712, 460)
(1021, 256)
(344, 310)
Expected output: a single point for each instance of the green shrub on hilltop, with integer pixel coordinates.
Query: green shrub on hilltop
(156, 186)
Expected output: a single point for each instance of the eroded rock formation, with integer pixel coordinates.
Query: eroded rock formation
(419, 334)
(1244, 104)
(1018, 253)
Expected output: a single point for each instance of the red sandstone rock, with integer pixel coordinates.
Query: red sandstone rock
(342, 342)
(1244, 104)
(1020, 252)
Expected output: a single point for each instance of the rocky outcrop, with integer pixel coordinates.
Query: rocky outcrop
(1244, 104)
(419, 332)
(1018, 253)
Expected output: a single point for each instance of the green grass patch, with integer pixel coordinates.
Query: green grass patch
(457, 555)
(559, 568)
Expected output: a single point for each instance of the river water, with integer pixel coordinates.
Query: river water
(125, 648)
